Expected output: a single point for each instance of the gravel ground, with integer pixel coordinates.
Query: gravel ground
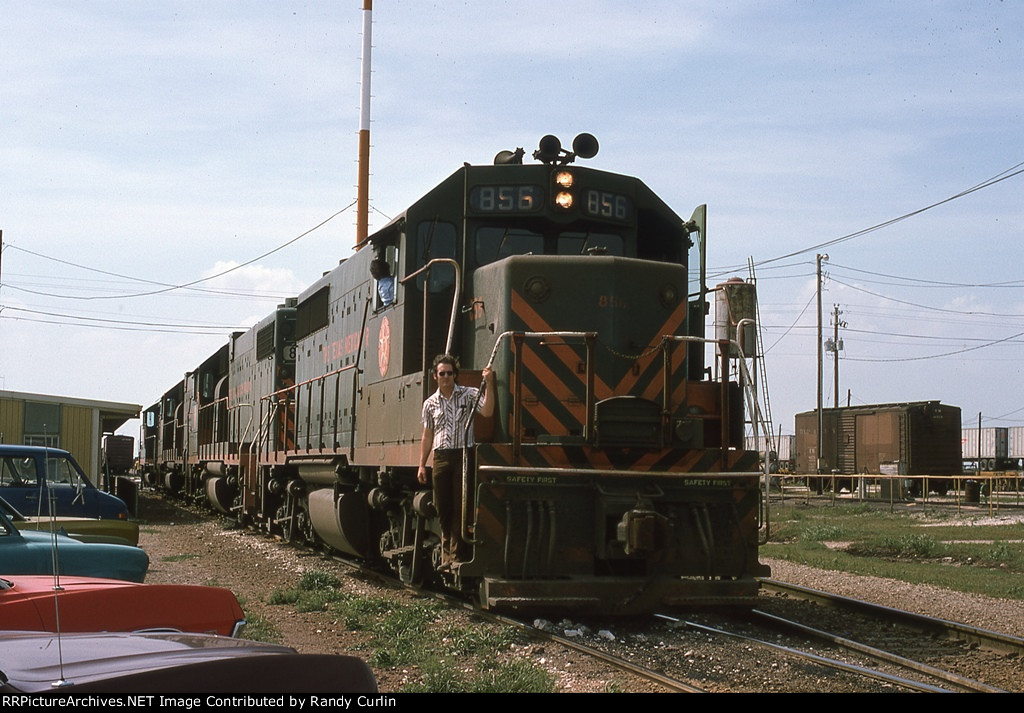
(187, 548)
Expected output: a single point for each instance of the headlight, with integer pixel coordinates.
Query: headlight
(563, 179)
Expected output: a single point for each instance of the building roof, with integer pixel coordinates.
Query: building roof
(113, 414)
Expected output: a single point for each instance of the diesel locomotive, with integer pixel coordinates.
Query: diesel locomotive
(612, 476)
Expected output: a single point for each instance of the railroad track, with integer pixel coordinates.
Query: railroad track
(917, 667)
(885, 677)
(994, 641)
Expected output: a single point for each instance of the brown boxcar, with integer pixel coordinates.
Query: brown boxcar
(920, 437)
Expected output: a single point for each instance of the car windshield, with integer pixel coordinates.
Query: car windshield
(18, 471)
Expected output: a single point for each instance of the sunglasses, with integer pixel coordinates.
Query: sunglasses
(446, 373)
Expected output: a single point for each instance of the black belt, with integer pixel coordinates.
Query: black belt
(448, 451)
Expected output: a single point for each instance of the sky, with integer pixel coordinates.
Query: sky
(146, 148)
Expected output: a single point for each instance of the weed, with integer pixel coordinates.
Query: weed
(178, 558)
(516, 676)
(316, 580)
(1000, 552)
(910, 545)
(258, 628)
(286, 596)
(472, 640)
(438, 679)
(822, 532)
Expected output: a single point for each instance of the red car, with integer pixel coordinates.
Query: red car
(88, 604)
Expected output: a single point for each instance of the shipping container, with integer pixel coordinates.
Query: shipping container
(1014, 443)
(990, 445)
(783, 448)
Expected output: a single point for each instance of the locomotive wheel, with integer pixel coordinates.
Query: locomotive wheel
(303, 525)
(238, 508)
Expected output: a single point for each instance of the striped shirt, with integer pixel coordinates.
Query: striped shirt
(447, 417)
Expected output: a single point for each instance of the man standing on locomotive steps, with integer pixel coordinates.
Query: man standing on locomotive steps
(448, 432)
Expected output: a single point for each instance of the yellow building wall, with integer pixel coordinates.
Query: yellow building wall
(78, 436)
(12, 421)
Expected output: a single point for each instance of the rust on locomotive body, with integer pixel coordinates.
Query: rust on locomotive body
(612, 476)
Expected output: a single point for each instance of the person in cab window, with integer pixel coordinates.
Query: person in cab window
(381, 272)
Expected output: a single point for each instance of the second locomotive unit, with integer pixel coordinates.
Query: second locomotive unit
(612, 476)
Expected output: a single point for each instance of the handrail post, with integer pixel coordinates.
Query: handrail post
(517, 396)
(588, 424)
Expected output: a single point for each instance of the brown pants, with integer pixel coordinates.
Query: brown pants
(447, 476)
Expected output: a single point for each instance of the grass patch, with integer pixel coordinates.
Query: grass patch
(453, 658)
(911, 545)
(980, 559)
(515, 676)
(316, 581)
(257, 628)
(178, 558)
(822, 532)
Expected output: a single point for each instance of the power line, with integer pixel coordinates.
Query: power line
(103, 320)
(124, 328)
(998, 178)
(926, 307)
(169, 287)
(945, 354)
(931, 283)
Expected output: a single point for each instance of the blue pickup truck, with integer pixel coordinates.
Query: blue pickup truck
(43, 481)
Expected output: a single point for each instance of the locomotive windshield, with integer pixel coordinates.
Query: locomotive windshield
(436, 239)
(493, 243)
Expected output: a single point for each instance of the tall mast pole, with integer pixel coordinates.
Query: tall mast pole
(821, 435)
(363, 187)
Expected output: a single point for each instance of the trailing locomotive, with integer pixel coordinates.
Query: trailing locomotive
(612, 477)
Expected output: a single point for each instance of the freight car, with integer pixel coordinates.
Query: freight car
(920, 438)
(118, 454)
(989, 448)
(780, 451)
(612, 476)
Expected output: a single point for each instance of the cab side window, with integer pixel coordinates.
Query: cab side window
(60, 470)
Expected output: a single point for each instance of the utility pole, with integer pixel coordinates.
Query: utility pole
(835, 345)
(821, 418)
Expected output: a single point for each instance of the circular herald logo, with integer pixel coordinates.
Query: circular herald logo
(384, 346)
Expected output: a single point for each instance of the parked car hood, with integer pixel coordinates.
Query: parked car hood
(30, 552)
(27, 603)
(167, 662)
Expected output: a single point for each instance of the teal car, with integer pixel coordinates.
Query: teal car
(34, 553)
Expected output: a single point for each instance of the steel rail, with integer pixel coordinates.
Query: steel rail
(816, 658)
(880, 655)
(992, 640)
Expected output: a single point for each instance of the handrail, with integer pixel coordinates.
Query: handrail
(355, 382)
(455, 300)
(283, 396)
(518, 338)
